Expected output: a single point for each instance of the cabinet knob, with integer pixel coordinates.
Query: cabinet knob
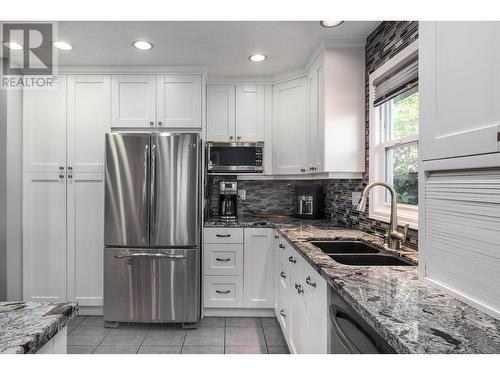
(160, 123)
(302, 170)
(70, 168)
(70, 176)
(151, 123)
(61, 168)
(61, 176)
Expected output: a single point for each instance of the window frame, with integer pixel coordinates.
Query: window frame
(378, 208)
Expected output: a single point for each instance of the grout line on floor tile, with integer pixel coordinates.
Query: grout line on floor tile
(265, 339)
(144, 339)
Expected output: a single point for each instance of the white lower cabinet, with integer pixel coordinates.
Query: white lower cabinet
(238, 268)
(301, 307)
(57, 344)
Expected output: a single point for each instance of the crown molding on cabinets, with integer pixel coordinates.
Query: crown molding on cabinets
(194, 69)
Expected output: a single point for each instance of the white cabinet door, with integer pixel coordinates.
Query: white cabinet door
(297, 329)
(317, 326)
(44, 128)
(133, 100)
(220, 113)
(258, 267)
(316, 120)
(85, 237)
(44, 237)
(179, 100)
(290, 127)
(250, 113)
(459, 82)
(88, 121)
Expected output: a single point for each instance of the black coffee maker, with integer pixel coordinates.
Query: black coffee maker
(228, 199)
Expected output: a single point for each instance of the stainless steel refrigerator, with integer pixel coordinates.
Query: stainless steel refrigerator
(152, 227)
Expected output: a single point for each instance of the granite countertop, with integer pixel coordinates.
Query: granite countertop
(410, 315)
(27, 326)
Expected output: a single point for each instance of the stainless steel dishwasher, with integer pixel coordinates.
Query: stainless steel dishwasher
(350, 333)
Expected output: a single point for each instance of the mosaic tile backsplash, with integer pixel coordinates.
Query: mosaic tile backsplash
(276, 196)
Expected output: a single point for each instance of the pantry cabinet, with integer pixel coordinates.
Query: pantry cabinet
(63, 210)
(458, 83)
(133, 100)
(290, 127)
(236, 113)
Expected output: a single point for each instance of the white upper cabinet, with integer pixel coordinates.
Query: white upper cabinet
(291, 127)
(236, 113)
(316, 139)
(179, 100)
(44, 128)
(88, 121)
(250, 113)
(44, 237)
(221, 113)
(258, 265)
(133, 100)
(459, 81)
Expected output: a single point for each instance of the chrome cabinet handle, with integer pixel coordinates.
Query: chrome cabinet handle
(148, 255)
(231, 137)
(308, 281)
(61, 168)
(275, 236)
(282, 313)
(281, 246)
(70, 168)
(292, 259)
(70, 176)
(223, 235)
(283, 275)
(299, 288)
(238, 137)
(302, 170)
(223, 259)
(151, 123)
(222, 291)
(61, 176)
(160, 123)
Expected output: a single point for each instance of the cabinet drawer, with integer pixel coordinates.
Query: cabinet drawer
(223, 235)
(223, 291)
(223, 259)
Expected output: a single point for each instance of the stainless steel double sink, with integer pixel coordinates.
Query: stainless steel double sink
(358, 253)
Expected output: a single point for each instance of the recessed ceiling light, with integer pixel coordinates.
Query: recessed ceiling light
(13, 45)
(257, 57)
(329, 24)
(142, 44)
(63, 45)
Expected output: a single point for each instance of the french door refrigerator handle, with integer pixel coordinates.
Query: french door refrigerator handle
(145, 194)
(153, 192)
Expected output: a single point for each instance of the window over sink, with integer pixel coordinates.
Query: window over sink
(394, 108)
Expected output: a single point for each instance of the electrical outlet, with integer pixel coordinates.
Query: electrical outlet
(356, 196)
(242, 194)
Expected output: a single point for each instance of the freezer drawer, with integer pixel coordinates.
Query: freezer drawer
(151, 285)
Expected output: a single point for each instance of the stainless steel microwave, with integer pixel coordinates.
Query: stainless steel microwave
(235, 157)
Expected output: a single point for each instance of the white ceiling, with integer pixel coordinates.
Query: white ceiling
(222, 47)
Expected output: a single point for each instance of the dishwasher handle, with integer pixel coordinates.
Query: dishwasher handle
(335, 311)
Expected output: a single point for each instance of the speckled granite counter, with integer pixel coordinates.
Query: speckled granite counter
(27, 326)
(410, 315)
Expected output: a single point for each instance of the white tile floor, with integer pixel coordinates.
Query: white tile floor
(215, 335)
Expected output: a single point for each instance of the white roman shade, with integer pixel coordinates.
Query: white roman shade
(396, 82)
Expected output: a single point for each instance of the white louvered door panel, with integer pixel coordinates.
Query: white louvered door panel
(463, 235)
